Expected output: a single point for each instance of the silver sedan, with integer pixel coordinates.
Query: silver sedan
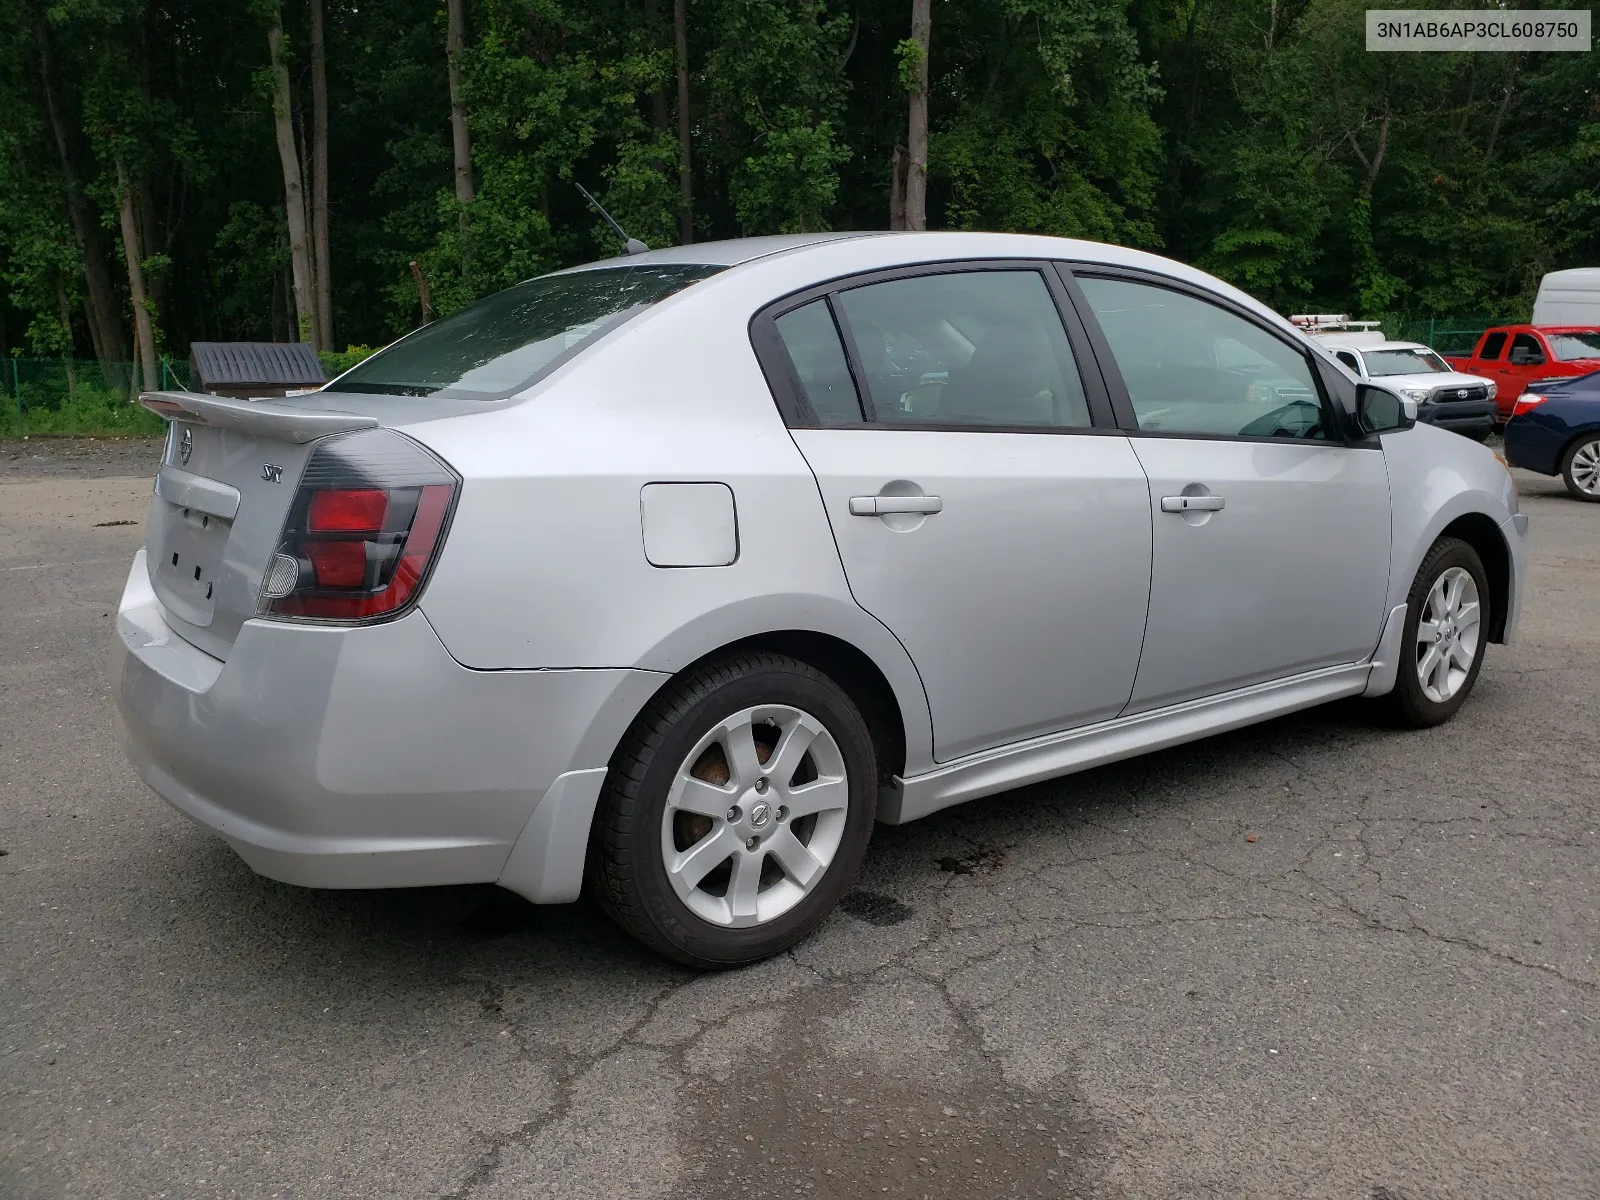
(671, 575)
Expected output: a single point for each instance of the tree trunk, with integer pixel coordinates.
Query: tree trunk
(100, 298)
(294, 200)
(280, 307)
(680, 30)
(144, 332)
(917, 134)
(424, 300)
(659, 118)
(460, 136)
(897, 188)
(319, 179)
(64, 312)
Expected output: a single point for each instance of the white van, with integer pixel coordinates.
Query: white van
(1569, 298)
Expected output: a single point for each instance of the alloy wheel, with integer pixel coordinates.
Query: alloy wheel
(1448, 635)
(755, 815)
(1586, 468)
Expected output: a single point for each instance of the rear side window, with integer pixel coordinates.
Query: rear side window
(508, 341)
(1492, 345)
(1193, 367)
(822, 372)
(970, 348)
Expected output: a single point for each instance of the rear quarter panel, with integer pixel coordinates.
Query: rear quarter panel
(544, 566)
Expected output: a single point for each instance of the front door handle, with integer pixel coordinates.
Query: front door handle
(877, 506)
(1179, 504)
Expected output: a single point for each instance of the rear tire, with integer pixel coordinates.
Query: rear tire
(737, 811)
(1446, 633)
(1580, 468)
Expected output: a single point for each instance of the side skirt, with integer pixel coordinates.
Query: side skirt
(1125, 737)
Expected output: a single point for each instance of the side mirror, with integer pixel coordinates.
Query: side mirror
(1521, 357)
(1381, 411)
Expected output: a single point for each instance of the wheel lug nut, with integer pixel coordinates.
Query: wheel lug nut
(734, 813)
(752, 843)
(783, 812)
(761, 785)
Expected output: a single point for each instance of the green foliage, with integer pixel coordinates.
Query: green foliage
(910, 57)
(87, 412)
(336, 362)
(1256, 138)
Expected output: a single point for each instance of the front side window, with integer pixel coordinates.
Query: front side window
(1194, 367)
(1403, 362)
(969, 348)
(1526, 351)
(1349, 360)
(505, 342)
(1569, 347)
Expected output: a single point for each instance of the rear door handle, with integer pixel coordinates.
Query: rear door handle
(877, 506)
(1180, 504)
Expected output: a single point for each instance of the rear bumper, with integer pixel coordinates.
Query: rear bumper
(368, 757)
(1461, 416)
(1532, 446)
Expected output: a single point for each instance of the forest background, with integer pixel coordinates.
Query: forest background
(179, 170)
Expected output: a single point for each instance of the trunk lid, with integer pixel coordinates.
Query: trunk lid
(226, 482)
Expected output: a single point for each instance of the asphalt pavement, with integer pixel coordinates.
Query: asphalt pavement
(1316, 958)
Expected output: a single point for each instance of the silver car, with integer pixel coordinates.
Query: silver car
(672, 574)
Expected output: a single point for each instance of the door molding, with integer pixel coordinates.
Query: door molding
(1049, 757)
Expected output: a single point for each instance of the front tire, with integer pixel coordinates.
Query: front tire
(736, 812)
(1580, 469)
(1446, 633)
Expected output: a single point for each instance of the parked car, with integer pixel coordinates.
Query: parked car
(1449, 399)
(1519, 356)
(1556, 431)
(1569, 298)
(672, 575)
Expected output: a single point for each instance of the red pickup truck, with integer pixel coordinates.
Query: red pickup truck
(1515, 356)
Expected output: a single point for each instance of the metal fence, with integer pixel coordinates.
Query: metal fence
(77, 395)
(1447, 335)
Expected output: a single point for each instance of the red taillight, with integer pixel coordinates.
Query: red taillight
(1526, 401)
(363, 531)
(338, 564)
(344, 565)
(352, 511)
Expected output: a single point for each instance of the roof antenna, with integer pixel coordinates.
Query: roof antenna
(630, 245)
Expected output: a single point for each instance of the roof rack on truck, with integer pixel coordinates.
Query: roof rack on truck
(1332, 322)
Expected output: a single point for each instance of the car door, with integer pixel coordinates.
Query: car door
(985, 507)
(1271, 543)
(1526, 361)
(1488, 362)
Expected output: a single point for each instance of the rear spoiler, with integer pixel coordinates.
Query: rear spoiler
(281, 421)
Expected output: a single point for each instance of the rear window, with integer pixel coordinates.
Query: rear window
(1403, 362)
(507, 341)
(1569, 347)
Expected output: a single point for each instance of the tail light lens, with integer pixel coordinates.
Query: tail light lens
(1526, 401)
(363, 531)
